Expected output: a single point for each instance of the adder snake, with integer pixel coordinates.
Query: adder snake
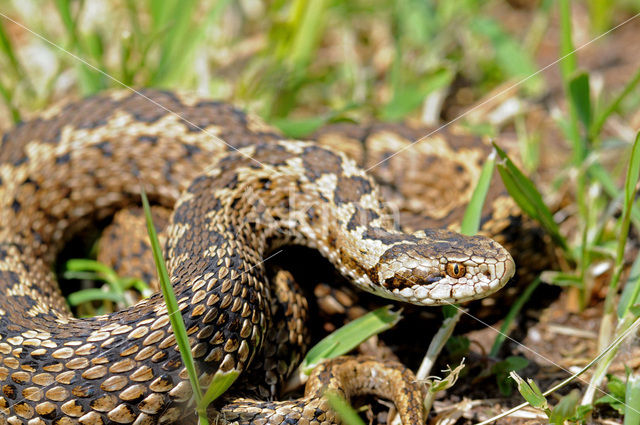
(233, 204)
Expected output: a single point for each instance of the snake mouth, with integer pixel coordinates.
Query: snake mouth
(411, 280)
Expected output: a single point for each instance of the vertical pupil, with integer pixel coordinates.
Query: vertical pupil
(455, 269)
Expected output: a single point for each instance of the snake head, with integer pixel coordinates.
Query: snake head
(436, 267)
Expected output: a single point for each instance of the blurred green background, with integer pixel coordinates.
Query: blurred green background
(298, 64)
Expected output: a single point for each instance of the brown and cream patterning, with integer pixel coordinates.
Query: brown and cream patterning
(233, 204)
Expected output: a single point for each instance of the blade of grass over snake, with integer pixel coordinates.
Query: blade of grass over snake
(219, 384)
(347, 413)
(528, 198)
(473, 213)
(175, 316)
(349, 336)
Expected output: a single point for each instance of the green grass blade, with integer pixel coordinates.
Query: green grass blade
(565, 408)
(598, 172)
(524, 192)
(161, 12)
(82, 268)
(633, 173)
(175, 316)
(64, 10)
(473, 213)
(632, 400)
(308, 26)
(348, 415)
(7, 96)
(514, 61)
(600, 13)
(176, 41)
(349, 336)
(409, 95)
(90, 80)
(219, 384)
(83, 264)
(298, 128)
(438, 341)
(6, 47)
(579, 93)
(94, 294)
(569, 64)
(181, 41)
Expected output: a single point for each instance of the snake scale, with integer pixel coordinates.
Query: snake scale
(233, 204)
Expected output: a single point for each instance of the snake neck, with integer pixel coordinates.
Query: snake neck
(274, 194)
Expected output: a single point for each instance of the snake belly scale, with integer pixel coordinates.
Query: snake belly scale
(79, 163)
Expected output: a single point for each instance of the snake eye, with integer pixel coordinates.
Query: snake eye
(455, 270)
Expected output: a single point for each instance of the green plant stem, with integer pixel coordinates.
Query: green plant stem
(437, 344)
(585, 256)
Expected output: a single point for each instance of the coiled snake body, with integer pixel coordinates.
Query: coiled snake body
(232, 207)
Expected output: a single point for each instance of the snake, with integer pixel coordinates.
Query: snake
(238, 191)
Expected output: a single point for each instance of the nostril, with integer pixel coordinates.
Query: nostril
(487, 274)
